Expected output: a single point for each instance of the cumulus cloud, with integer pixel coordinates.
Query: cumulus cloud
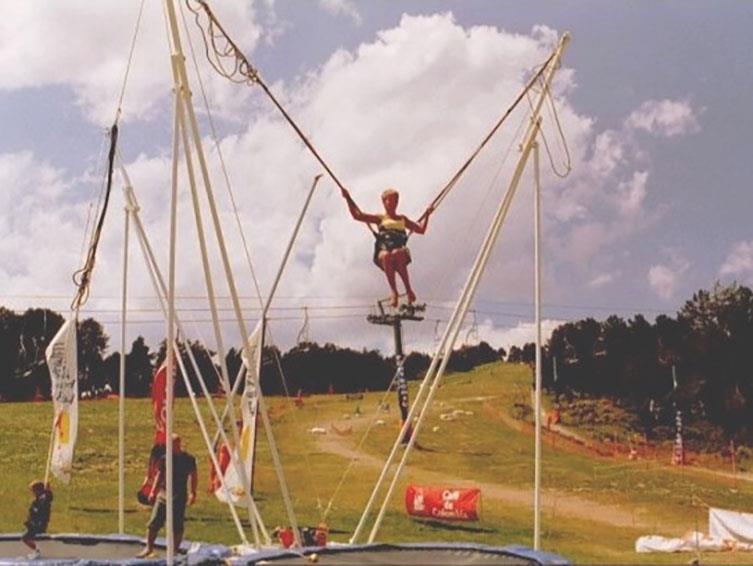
(665, 118)
(739, 262)
(601, 280)
(404, 109)
(664, 277)
(518, 335)
(84, 46)
(342, 8)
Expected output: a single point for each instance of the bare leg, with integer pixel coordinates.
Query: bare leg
(29, 542)
(401, 266)
(151, 536)
(388, 264)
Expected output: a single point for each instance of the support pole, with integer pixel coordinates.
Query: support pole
(170, 349)
(160, 289)
(537, 308)
(402, 384)
(192, 124)
(395, 320)
(121, 388)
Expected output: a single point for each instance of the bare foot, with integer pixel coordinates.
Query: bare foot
(411, 297)
(393, 300)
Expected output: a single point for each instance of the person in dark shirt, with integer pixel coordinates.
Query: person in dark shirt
(39, 516)
(185, 481)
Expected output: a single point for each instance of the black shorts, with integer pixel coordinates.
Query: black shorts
(389, 241)
(159, 514)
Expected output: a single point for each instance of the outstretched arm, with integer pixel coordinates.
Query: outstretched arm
(420, 226)
(356, 212)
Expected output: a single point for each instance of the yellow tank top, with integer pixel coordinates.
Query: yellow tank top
(392, 223)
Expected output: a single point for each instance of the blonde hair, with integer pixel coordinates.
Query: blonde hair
(388, 192)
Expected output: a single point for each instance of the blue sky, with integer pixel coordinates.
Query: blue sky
(654, 97)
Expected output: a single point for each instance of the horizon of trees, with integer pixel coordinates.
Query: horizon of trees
(708, 346)
(307, 366)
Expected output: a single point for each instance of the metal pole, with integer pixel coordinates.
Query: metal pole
(171, 337)
(121, 388)
(402, 386)
(160, 289)
(537, 308)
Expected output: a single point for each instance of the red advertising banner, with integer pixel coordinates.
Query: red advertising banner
(446, 503)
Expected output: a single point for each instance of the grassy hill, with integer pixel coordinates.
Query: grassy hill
(595, 506)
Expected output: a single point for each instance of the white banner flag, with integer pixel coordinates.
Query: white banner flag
(62, 360)
(251, 357)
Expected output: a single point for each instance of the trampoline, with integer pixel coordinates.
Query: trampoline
(439, 554)
(102, 549)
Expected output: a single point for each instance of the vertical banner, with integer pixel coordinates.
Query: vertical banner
(62, 361)
(678, 450)
(249, 406)
(402, 396)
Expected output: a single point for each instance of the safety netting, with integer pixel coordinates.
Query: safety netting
(103, 549)
(439, 554)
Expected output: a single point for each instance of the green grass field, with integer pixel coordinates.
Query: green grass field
(595, 506)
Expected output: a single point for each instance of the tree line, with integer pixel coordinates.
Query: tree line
(706, 350)
(700, 362)
(307, 367)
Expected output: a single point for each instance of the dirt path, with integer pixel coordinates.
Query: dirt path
(555, 503)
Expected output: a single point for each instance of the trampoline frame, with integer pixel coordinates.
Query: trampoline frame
(196, 552)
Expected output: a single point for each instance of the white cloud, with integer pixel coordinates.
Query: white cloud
(665, 118)
(518, 335)
(342, 7)
(739, 262)
(632, 193)
(402, 110)
(665, 277)
(601, 280)
(84, 46)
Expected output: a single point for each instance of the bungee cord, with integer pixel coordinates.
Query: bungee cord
(82, 277)
(230, 62)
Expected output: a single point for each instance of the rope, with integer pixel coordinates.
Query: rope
(128, 65)
(223, 72)
(361, 442)
(82, 277)
(221, 157)
(220, 48)
(562, 140)
(242, 71)
(456, 177)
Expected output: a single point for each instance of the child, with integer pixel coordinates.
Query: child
(390, 251)
(39, 516)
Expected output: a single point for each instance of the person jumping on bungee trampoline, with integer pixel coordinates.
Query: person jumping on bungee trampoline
(391, 253)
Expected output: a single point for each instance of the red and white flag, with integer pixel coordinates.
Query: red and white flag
(249, 406)
(62, 360)
(159, 403)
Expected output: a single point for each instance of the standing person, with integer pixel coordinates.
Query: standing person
(185, 480)
(39, 516)
(391, 253)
